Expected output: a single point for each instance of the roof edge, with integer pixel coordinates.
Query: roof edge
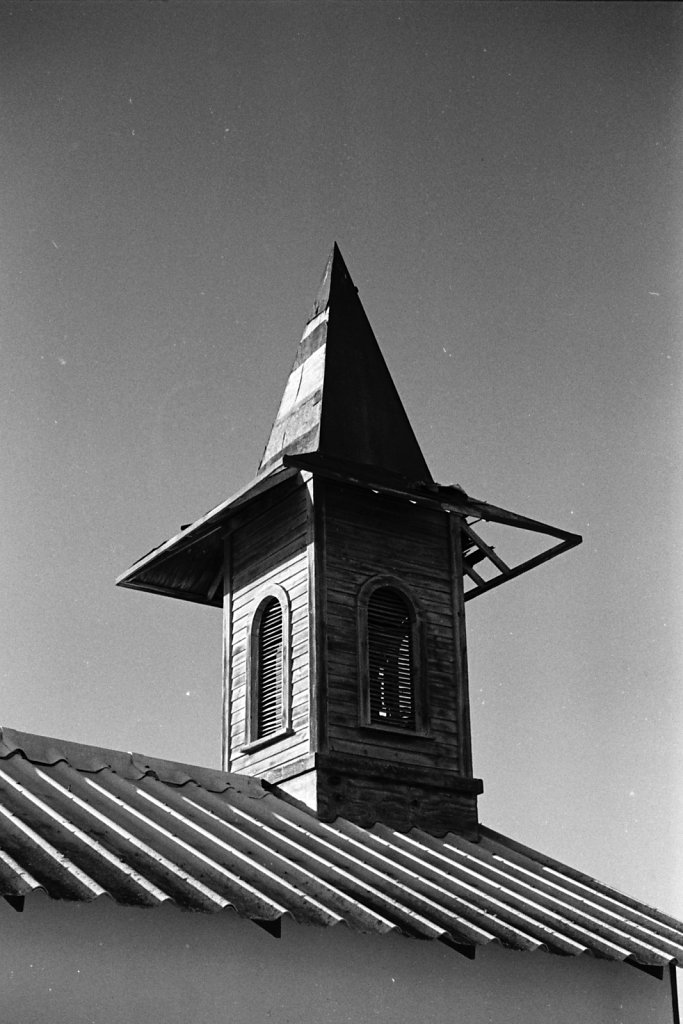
(84, 757)
(206, 523)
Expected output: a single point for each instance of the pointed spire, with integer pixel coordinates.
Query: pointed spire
(340, 400)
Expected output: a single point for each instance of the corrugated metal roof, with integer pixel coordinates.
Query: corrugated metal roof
(79, 822)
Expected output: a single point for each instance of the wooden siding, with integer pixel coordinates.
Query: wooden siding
(369, 535)
(270, 548)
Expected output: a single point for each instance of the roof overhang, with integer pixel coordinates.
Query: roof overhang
(189, 565)
(454, 500)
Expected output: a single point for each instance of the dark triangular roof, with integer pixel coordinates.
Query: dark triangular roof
(340, 401)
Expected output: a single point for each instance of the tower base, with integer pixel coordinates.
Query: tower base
(400, 796)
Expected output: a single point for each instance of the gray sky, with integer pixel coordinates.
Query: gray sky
(504, 183)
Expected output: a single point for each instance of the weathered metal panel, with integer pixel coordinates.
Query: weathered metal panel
(79, 822)
(340, 399)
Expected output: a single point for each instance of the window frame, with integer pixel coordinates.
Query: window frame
(417, 661)
(262, 599)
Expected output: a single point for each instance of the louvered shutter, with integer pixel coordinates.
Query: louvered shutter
(270, 670)
(390, 660)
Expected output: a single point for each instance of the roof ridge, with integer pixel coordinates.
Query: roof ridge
(84, 757)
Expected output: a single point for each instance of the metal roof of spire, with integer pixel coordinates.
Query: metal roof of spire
(340, 401)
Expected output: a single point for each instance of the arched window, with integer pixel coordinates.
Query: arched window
(268, 700)
(391, 690)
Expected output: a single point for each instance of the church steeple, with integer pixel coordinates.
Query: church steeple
(340, 401)
(343, 572)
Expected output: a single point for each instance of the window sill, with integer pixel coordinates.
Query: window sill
(265, 741)
(396, 730)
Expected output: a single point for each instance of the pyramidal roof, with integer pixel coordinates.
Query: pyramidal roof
(340, 400)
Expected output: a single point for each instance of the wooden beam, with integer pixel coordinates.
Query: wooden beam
(226, 575)
(213, 589)
(493, 514)
(436, 499)
(463, 507)
(489, 552)
(460, 643)
(676, 1015)
(317, 686)
(473, 576)
(531, 563)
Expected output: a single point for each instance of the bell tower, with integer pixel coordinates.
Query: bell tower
(343, 571)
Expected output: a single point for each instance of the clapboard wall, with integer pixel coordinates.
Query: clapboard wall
(366, 535)
(322, 544)
(271, 547)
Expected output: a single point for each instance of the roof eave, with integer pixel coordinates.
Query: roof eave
(451, 499)
(217, 519)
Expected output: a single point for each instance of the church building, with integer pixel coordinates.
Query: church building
(343, 819)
